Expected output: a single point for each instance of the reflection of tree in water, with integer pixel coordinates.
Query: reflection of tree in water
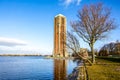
(60, 69)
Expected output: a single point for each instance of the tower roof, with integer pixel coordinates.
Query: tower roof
(60, 15)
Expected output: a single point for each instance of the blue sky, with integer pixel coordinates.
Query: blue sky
(26, 26)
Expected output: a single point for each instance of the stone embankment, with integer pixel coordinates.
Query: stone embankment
(78, 74)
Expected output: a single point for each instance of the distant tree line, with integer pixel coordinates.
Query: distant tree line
(112, 48)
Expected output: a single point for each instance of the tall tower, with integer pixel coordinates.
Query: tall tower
(60, 36)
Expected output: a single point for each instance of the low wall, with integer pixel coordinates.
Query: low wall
(78, 73)
(74, 75)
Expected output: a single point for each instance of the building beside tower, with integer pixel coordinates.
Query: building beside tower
(60, 36)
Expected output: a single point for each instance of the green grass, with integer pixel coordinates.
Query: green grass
(104, 69)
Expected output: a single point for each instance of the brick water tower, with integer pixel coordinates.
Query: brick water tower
(60, 36)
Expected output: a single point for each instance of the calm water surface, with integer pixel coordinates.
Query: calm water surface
(34, 68)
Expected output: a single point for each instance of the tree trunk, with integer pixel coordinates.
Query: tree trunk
(93, 54)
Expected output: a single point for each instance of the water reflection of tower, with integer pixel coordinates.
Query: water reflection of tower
(60, 69)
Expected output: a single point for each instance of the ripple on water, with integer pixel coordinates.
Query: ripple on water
(29, 68)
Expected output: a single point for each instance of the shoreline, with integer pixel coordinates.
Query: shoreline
(19, 55)
(49, 57)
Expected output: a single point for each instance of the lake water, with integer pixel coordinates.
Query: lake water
(34, 68)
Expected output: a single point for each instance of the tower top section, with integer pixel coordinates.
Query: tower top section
(60, 15)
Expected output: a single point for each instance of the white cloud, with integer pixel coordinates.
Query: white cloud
(78, 2)
(11, 42)
(16, 46)
(68, 2)
(22, 50)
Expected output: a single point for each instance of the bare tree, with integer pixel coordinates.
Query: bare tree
(112, 48)
(93, 23)
(73, 46)
(105, 50)
(72, 43)
(117, 47)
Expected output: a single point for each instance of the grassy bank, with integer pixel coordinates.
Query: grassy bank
(105, 69)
